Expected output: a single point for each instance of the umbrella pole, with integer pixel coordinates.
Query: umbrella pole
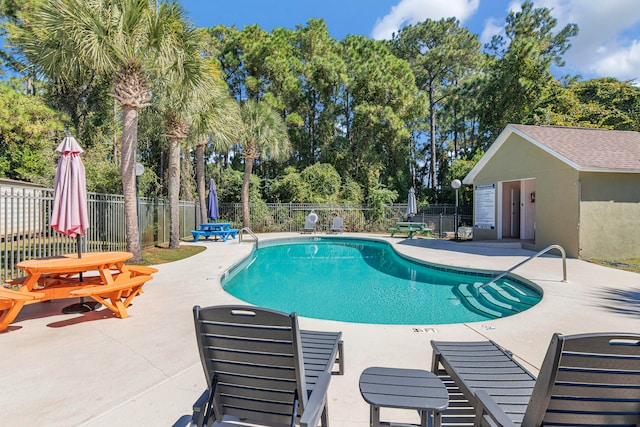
(82, 306)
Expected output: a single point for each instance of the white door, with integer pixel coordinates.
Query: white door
(515, 213)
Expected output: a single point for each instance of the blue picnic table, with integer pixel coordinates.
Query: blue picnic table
(215, 229)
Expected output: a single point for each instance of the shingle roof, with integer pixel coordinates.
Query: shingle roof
(587, 149)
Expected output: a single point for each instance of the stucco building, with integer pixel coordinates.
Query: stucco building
(575, 187)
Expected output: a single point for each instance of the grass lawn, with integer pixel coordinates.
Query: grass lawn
(631, 264)
(161, 254)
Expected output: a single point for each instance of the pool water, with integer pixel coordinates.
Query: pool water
(367, 281)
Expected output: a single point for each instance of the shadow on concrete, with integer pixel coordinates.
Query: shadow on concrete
(622, 301)
(487, 248)
(84, 317)
(53, 308)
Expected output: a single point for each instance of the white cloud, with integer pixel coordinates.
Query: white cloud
(608, 41)
(491, 28)
(494, 26)
(607, 45)
(623, 63)
(414, 11)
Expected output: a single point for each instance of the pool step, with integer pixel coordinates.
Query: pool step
(467, 296)
(506, 293)
(524, 295)
(496, 300)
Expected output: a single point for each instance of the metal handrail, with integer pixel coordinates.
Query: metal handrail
(248, 230)
(545, 250)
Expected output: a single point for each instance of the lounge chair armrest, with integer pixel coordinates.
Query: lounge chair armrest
(435, 359)
(200, 410)
(487, 407)
(317, 403)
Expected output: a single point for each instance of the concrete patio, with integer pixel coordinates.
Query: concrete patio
(95, 370)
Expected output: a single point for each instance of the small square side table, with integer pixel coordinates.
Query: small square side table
(405, 389)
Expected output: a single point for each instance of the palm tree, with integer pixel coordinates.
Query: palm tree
(130, 41)
(217, 121)
(181, 95)
(263, 133)
(189, 110)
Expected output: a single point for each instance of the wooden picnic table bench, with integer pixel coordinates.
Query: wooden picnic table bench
(11, 302)
(117, 296)
(410, 228)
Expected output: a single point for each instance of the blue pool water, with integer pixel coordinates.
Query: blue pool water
(367, 281)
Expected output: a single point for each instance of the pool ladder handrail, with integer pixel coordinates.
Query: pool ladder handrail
(248, 230)
(542, 252)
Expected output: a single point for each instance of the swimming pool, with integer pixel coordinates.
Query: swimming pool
(367, 281)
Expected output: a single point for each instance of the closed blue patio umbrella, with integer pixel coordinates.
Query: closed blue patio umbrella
(212, 201)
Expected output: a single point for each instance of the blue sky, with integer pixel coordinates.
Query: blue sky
(608, 44)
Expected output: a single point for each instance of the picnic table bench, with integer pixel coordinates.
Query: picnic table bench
(215, 229)
(11, 302)
(116, 296)
(410, 228)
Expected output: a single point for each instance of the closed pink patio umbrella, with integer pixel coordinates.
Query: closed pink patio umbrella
(69, 213)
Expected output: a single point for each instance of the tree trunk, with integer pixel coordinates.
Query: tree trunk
(115, 135)
(200, 179)
(187, 183)
(248, 167)
(174, 193)
(128, 171)
(432, 135)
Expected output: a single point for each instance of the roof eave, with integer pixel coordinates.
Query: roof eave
(608, 170)
(488, 155)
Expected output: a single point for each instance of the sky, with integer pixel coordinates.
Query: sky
(608, 43)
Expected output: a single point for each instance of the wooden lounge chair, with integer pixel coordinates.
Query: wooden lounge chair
(585, 380)
(261, 368)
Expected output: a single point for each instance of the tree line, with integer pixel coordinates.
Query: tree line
(291, 115)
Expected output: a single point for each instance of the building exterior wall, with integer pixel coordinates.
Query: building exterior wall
(610, 215)
(22, 210)
(557, 192)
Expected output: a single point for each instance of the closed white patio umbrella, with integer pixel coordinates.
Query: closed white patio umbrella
(411, 204)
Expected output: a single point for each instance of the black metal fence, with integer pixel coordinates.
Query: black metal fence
(25, 232)
(271, 217)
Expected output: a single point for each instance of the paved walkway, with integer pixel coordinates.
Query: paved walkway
(95, 370)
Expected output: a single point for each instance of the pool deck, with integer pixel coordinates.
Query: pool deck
(95, 370)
